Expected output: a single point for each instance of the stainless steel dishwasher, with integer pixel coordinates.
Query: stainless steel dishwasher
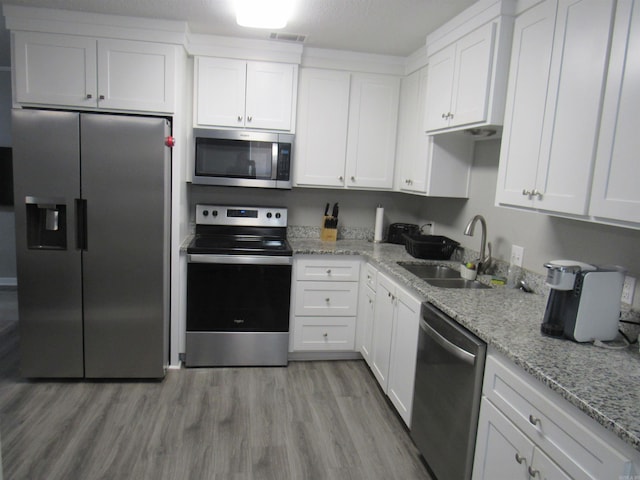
(446, 401)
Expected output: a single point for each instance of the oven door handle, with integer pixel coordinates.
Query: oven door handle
(240, 259)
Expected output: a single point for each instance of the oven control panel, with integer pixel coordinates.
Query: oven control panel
(241, 216)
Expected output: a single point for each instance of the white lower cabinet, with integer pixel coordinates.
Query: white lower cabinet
(527, 431)
(395, 343)
(366, 311)
(325, 303)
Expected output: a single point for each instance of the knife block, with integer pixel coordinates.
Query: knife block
(329, 233)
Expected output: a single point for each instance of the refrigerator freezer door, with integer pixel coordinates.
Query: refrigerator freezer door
(46, 165)
(125, 181)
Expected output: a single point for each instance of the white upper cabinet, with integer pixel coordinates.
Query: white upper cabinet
(371, 135)
(76, 71)
(556, 81)
(321, 137)
(459, 78)
(428, 165)
(244, 94)
(615, 193)
(346, 129)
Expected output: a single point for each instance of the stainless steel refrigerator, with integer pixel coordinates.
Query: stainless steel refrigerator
(92, 209)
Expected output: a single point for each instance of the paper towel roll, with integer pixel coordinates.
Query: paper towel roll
(377, 232)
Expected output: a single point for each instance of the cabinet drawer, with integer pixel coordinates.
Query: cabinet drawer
(321, 333)
(326, 299)
(370, 276)
(328, 270)
(573, 440)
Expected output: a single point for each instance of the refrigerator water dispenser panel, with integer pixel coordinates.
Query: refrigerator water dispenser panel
(46, 223)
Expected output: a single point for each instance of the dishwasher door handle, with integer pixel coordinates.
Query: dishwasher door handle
(459, 352)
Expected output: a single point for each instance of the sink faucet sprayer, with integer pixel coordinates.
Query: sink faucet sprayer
(484, 262)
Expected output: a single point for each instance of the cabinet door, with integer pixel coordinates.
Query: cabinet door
(439, 89)
(502, 451)
(55, 69)
(472, 76)
(572, 116)
(615, 193)
(412, 153)
(321, 131)
(366, 311)
(269, 96)
(382, 330)
(526, 95)
(404, 349)
(544, 468)
(373, 118)
(136, 76)
(220, 92)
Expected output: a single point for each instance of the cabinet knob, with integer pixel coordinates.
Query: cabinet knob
(325, 334)
(89, 96)
(327, 299)
(249, 118)
(519, 458)
(101, 97)
(353, 179)
(534, 420)
(536, 193)
(533, 473)
(526, 192)
(449, 115)
(341, 178)
(239, 118)
(329, 272)
(444, 115)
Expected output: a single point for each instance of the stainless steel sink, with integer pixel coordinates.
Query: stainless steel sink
(455, 283)
(430, 271)
(441, 276)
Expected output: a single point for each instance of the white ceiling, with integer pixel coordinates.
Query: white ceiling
(391, 27)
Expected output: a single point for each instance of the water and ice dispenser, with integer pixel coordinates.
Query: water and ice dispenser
(46, 223)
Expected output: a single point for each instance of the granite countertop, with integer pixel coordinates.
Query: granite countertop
(603, 383)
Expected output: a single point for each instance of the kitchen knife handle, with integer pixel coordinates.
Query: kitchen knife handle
(81, 224)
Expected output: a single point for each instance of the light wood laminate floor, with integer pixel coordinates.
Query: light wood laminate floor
(311, 420)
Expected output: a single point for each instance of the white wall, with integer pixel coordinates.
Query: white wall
(7, 229)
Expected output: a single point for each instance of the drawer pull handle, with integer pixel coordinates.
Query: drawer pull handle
(519, 458)
(532, 472)
(329, 272)
(534, 420)
(327, 299)
(325, 334)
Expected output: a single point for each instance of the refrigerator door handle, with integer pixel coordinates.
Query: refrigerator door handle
(81, 224)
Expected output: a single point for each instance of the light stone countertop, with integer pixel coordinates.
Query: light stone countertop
(603, 383)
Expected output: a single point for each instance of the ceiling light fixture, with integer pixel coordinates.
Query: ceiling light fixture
(271, 14)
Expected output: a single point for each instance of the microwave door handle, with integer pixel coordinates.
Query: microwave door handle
(275, 149)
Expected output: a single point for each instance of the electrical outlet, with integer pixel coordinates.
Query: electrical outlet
(517, 254)
(628, 289)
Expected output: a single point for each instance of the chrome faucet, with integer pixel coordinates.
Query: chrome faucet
(484, 262)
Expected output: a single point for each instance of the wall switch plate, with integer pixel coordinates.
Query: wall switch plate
(628, 289)
(517, 254)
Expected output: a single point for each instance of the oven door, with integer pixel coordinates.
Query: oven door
(233, 293)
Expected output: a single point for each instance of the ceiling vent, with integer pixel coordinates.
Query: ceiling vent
(288, 37)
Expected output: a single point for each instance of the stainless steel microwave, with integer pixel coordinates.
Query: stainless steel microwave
(240, 158)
